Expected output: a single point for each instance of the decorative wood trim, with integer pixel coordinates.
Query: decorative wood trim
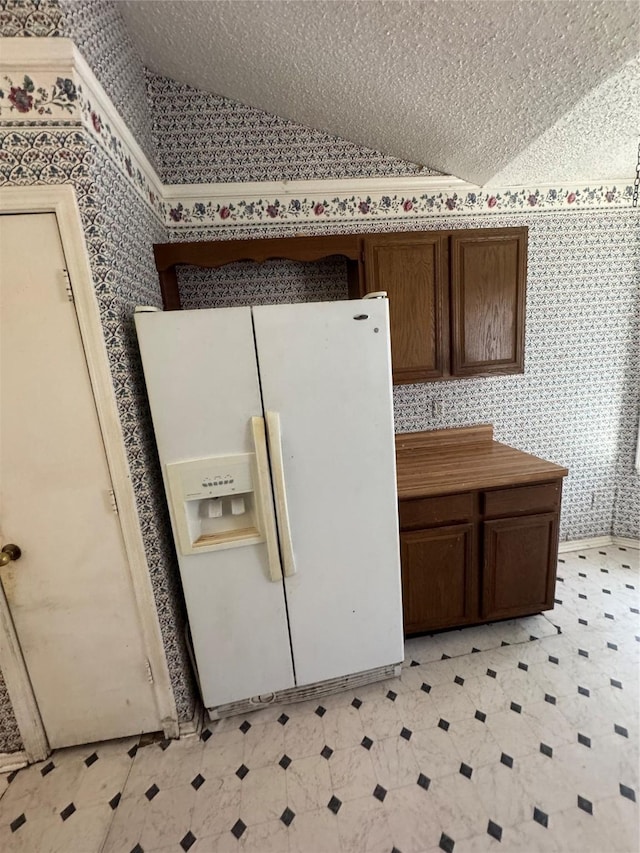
(61, 200)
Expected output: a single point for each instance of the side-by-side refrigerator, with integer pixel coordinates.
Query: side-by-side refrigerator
(274, 427)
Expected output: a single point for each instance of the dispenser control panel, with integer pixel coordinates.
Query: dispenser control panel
(214, 502)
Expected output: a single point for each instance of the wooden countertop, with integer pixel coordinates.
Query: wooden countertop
(445, 461)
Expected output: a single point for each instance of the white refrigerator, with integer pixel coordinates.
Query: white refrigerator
(274, 427)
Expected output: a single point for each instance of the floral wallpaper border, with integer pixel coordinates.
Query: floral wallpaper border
(236, 209)
(55, 95)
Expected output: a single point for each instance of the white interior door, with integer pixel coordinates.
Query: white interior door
(70, 595)
(328, 376)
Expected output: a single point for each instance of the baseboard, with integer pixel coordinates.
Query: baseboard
(10, 761)
(194, 725)
(597, 542)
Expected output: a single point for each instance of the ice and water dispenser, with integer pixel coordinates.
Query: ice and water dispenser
(214, 502)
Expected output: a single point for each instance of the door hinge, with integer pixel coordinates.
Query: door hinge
(149, 672)
(113, 502)
(67, 285)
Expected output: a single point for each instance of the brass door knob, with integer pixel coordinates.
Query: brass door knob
(9, 553)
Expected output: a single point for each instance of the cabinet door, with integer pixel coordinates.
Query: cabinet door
(488, 277)
(520, 557)
(410, 267)
(439, 577)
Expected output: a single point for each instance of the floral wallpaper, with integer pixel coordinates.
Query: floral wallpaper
(205, 138)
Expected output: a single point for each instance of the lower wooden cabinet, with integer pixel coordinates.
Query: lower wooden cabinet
(484, 569)
(439, 585)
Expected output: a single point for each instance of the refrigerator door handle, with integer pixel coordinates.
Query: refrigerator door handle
(263, 493)
(274, 439)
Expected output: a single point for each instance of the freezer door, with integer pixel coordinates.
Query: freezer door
(325, 374)
(202, 381)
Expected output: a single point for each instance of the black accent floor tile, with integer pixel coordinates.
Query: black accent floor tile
(47, 768)
(334, 805)
(238, 828)
(406, 733)
(12, 776)
(615, 683)
(581, 557)
(443, 724)
(507, 760)
(620, 730)
(447, 844)
(549, 698)
(137, 849)
(458, 680)
(284, 762)
(582, 596)
(366, 742)
(523, 666)
(206, 734)
(515, 707)
(583, 653)
(91, 759)
(560, 560)
(327, 752)
(379, 793)
(114, 802)
(445, 657)
(415, 663)
(545, 749)
(465, 770)
(357, 703)
(283, 719)
(582, 622)
(165, 744)
(198, 781)
(67, 811)
(320, 711)
(391, 695)
(557, 601)
(584, 691)
(287, 816)
(608, 616)
(424, 781)
(474, 651)
(629, 586)
(581, 574)
(494, 830)
(480, 715)
(244, 728)
(540, 817)
(584, 740)
(426, 688)
(606, 591)
(606, 571)
(553, 659)
(134, 749)
(585, 805)
(627, 792)
(151, 792)
(188, 841)
(18, 822)
(242, 771)
(491, 673)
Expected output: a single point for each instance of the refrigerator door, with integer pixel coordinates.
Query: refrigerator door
(325, 373)
(202, 381)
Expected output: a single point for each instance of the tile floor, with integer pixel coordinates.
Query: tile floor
(519, 736)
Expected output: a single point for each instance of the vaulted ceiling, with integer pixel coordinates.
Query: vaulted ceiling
(487, 90)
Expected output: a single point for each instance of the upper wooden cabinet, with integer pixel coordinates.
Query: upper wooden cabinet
(456, 298)
(412, 269)
(488, 275)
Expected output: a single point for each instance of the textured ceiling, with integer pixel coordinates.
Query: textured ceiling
(479, 89)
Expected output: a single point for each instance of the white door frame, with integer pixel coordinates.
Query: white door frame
(61, 200)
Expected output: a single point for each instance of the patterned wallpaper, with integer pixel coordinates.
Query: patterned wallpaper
(576, 403)
(205, 138)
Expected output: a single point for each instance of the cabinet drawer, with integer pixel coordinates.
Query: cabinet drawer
(426, 512)
(544, 497)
